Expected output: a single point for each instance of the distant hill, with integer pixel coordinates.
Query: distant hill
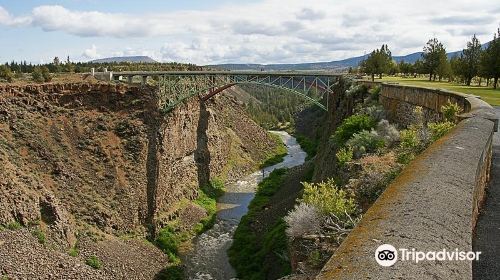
(331, 65)
(132, 59)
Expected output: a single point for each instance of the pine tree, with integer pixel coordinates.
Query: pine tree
(434, 56)
(471, 58)
(490, 60)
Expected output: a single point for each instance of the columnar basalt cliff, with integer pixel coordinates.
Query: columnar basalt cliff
(98, 160)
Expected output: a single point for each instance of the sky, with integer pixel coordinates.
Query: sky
(224, 31)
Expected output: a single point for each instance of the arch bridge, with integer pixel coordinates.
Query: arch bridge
(176, 87)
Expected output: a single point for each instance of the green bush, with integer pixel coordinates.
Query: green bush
(46, 74)
(173, 272)
(14, 225)
(409, 140)
(375, 92)
(365, 142)
(6, 73)
(409, 145)
(73, 252)
(40, 236)
(352, 125)
(207, 199)
(451, 111)
(168, 241)
(308, 145)
(344, 155)
(439, 129)
(94, 262)
(249, 250)
(36, 75)
(328, 198)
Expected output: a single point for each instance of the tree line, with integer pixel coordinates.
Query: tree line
(12, 70)
(473, 61)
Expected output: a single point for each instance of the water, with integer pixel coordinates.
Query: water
(208, 259)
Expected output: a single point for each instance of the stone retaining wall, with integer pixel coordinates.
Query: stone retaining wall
(433, 204)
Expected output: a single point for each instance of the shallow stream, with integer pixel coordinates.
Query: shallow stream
(208, 259)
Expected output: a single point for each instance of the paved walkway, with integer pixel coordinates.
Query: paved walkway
(487, 238)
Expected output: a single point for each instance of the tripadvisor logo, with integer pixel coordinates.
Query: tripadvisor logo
(388, 255)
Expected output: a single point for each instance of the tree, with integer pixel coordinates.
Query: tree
(378, 62)
(490, 60)
(434, 56)
(6, 73)
(36, 75)
(444, 68)
(46, 74)
(405, 68)
(471, 57)
(457, 68)
(418, 67)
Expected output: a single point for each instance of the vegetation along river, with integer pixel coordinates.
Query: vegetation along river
(208, 259)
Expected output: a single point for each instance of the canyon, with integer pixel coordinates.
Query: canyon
(96, 167)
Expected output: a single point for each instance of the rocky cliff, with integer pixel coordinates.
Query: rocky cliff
(92, 161)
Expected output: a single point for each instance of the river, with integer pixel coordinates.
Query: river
(208, 259)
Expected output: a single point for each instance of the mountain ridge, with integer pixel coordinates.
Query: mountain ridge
(131, 59)
(327, 65)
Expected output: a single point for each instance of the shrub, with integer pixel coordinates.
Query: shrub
(94, 262)
(207, 199)
(36, 75)
(249, 249)
(40, 236)
(356, 89)
(46, 74)
(409, 145)
(344, 155)
(6, 73)
(376, 173)
(73, 252)
(451, 111)
(409, 140)
(365, 142)
(303, 219)
(14, 225)
(439, 129)
(308, 145)
(173, 272)
(417, 118)
(352, 125)
(328, 198)
(388, 132)
(375, 92)
(168, 241)
(375, 111)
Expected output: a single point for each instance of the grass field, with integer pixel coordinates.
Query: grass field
(488, 94)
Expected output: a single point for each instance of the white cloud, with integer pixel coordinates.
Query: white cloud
(7, 19)
(91, 53)
(270, 31)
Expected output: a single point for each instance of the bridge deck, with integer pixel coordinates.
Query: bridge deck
(250, 73)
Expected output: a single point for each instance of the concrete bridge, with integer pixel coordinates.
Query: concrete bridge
(175, 87)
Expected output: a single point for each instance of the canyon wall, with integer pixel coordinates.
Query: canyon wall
(93, 155)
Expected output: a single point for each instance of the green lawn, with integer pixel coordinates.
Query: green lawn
(488, 94)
